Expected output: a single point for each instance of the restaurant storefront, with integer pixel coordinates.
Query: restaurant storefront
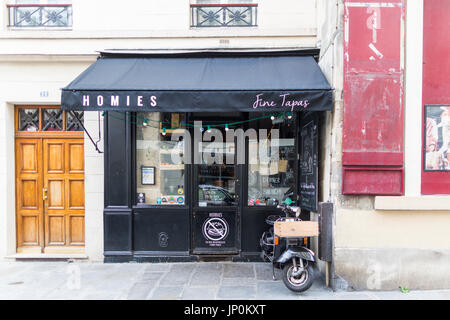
(200, 147)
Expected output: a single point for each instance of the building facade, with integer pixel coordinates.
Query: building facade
(388, 187)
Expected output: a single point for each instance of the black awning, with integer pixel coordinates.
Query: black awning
(275, 82)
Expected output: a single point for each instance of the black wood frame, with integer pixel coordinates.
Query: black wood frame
(131, 231)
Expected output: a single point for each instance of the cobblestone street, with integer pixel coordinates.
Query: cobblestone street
(167, 281)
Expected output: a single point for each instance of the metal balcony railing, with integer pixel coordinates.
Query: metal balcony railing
(224, 15)
(40, 16)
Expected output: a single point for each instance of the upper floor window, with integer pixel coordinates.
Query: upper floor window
(40, 13)
(224, 13)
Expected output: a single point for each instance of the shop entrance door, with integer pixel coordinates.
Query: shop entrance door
(216, 207)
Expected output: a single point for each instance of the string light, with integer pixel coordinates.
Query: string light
(146, 122)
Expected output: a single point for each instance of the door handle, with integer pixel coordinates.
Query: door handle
(44, 194)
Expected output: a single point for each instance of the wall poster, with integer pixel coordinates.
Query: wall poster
(147, 175)
(437, 138)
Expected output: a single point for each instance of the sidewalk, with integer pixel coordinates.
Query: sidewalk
(193, 281)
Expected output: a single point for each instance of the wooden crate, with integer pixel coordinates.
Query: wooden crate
(296, 228)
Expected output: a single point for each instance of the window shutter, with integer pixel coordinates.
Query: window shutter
(373, 98)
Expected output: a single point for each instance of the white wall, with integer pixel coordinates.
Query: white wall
(413, 97)
(161, 24)
(175, 15)
(94, 186)
(7, 180)
(21, 83)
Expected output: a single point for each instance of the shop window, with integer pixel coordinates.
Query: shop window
(437, 138)
(223, 13)
(217, 177)
(271, 177)
(40, 13)
(160, 167)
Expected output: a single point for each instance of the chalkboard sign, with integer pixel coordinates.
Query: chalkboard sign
(309, 147)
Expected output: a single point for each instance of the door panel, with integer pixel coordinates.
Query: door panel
(29, 206)
(76, 158)
(64, 182)
(216, 205)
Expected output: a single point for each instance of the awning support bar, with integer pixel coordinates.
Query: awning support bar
(92, 140)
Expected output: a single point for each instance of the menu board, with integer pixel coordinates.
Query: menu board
(309, 152)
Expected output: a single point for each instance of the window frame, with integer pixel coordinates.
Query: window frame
(134, 166)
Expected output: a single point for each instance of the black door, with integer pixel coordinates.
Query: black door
(216, 200)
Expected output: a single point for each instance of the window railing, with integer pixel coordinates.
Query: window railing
(224, 15)
(40, 15)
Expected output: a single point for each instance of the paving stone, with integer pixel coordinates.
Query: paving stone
(238, 270)
(166, 293)
(178, 275)
(208, 278)
(182, 267)
(157, 267)
(199, 293)
(238, 282)
(236, 292)
(274, 290)
(64, 294)
(210, 266)
(264, 271)
(140, 290)
(152, 275)
(101, 295)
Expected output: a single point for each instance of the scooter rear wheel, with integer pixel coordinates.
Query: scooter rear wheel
(298, 283)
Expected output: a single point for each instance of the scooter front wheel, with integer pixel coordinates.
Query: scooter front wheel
(300, 282)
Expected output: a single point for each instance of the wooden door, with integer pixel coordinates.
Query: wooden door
(50, 194)
(29, 203)
(63, 188)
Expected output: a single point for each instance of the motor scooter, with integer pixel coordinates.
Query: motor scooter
(288, 253)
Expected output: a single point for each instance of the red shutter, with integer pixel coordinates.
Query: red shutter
(436, 80)
(373, 98)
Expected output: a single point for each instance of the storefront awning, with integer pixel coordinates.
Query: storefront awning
(207, 82)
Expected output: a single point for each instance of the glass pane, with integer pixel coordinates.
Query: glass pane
(29, 120)
(272, 158)
(216, 174)
(52, 120)
(72, 123)
(159, 159)
(437, 153)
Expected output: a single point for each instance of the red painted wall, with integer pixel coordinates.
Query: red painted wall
(373, 97)
(436, 77)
